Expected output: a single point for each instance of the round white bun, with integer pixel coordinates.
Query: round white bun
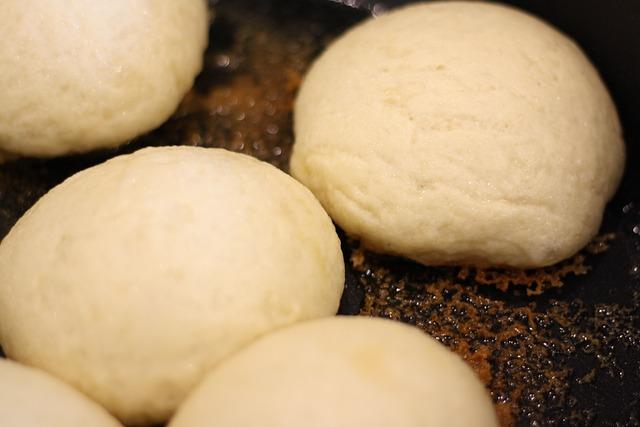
(459, 133)
(31, 398)
(132, 278)
(341, 372)
(81, 75)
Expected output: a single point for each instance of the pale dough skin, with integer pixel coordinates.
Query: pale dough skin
(134, 277)
(341, 372)
(459, 133)
(84, 74)
(32, 398)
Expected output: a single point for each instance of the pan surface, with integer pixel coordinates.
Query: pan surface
(558, 346)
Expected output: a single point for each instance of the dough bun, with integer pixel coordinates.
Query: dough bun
(31, 398)
(459, 133)
(132, 278)
(341, 372)
(81, 75)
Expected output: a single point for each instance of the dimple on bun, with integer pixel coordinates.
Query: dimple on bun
(341, 372)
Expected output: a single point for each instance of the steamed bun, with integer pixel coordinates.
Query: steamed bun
(132, 278)
(341, 372)
(459, 133)
(83, 74)
(31, 398)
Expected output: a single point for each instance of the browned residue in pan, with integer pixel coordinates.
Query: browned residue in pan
(521, 352)
(536, 281)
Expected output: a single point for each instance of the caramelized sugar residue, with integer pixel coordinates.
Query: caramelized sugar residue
(536, 281)
(525, 353)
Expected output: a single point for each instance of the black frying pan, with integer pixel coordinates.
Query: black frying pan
(570, 356)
